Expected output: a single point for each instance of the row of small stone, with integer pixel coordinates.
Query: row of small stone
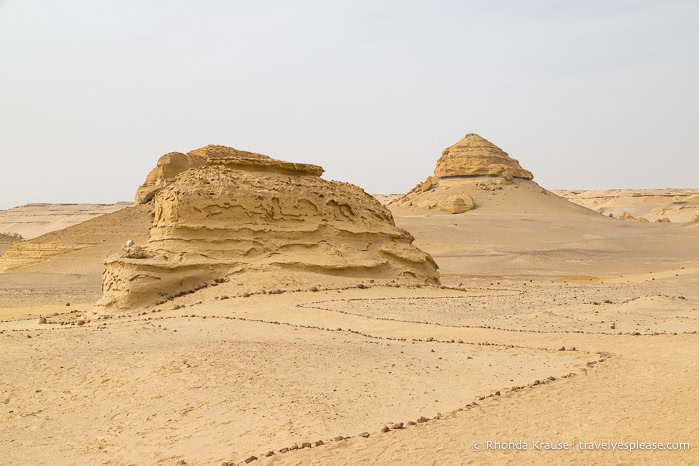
(421, 420)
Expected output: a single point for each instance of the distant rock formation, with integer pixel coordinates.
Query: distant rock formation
(677, 205)
(246, 215)
(476, 156)
(168, 167)
(476, 174)
(14, 235)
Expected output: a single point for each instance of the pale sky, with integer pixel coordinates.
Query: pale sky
(585, 94)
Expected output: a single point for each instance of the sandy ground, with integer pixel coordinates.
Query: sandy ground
(212, 376)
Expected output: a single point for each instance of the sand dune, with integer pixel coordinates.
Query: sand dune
(80, 248)
(34, 220)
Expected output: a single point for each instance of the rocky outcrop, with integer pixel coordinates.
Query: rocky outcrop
(243, 215)
(5, 243)
(14, 235)
(168, 167)
(628, 217)
(457, 204)
(476, 156)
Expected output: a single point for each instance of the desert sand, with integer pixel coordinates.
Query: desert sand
(546, 321)
(34, 220)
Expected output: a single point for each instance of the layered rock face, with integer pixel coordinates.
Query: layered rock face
(243, 214)
(168, 167)
(475, 156)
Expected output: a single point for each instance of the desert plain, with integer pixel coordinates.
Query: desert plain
(245, 311)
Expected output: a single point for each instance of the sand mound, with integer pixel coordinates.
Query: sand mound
(476, 174)
(34, 220)
(243, 214)
(677, 205)
(79, 248)
(168, 167)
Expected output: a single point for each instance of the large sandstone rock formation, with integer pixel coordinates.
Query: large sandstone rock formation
(476, 174)
(168, 167)
(475, 156)
(249, 217)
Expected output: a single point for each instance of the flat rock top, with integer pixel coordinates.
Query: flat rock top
(229, 156)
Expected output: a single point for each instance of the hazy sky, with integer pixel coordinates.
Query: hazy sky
(585, 94)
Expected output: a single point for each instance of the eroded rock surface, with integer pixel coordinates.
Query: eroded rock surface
(168, 167)
(457, 204)
(244, 214)
(476, 156)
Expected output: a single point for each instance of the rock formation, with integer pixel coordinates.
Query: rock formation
(677, 205)
(168, 167)
(476, 174)
(475, 156)
(249, 217)
(14, 235)
(5, 243)
(628, 217)
(457, 204)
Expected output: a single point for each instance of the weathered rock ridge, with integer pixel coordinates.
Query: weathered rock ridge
(243, 215)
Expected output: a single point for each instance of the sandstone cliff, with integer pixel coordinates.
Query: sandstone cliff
(247, 217)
